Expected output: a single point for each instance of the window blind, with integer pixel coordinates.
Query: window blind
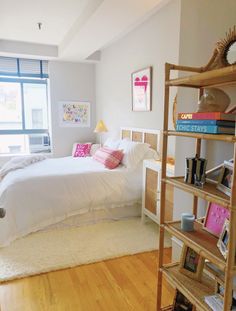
(21, 67)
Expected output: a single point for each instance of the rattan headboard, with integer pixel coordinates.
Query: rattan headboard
(151, 137)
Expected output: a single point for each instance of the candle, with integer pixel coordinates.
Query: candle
(187, 222)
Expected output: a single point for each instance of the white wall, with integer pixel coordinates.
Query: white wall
(71, 82)
(153, 43)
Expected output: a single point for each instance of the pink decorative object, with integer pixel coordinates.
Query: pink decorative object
(82, 150)
(109, 157)
(215, 218)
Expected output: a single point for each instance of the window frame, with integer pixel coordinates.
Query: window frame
(23, 81)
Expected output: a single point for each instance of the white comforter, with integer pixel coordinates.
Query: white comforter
(49, 191)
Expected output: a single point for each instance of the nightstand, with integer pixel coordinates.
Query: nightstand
(151, 191)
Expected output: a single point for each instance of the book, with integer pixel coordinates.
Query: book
(208, 129)
(206, 116)
(207, 122)
(214, 302)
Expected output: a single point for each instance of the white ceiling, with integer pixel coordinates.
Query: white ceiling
(71, 29)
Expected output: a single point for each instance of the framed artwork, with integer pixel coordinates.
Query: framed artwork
(74, 114)
(181, 303)
(191, 263)
(219, 289)
(215, 218)
(142, 90)
(226, 178)
(224, 239)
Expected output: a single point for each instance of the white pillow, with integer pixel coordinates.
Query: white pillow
(152, 154)
(112, 143)
(133, 152)
(94, 148)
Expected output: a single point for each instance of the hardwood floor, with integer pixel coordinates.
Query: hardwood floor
(122, 284)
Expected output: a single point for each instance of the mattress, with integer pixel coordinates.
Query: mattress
(52, 190)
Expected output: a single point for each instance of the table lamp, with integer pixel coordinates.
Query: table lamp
(100, 128)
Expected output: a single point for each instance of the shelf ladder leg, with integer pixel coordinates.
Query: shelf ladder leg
(163, 188)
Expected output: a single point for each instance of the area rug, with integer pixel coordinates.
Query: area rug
(60, 248)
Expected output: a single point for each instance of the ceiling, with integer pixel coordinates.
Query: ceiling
(73, 30)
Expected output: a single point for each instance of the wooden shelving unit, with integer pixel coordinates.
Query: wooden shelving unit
(192, 289)
(200, 240)
(208, 192)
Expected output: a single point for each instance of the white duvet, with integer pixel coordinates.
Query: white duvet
(52, 190)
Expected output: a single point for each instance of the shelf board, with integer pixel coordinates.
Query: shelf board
(223, 76)
(193, 290)
(200, 240)
(208, 192)
(219, 137)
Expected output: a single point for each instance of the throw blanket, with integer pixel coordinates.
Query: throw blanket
(20, 162)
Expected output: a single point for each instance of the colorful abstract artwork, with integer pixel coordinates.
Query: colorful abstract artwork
(141, 89)
(74, 114)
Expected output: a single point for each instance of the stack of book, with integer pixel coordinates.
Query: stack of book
(206, 122)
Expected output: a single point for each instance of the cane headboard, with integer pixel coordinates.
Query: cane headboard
(151, 137)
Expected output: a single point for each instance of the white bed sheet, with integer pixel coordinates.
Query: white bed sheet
(47, 192)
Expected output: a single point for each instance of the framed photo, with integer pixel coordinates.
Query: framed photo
(224, 239)
(142, 90)
(191, 263)
(215, 218)
(226, 178)
(181, 303)
(74, 114)
(219, 289)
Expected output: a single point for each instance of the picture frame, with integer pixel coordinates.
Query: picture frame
(181, 303)
(223, 241)
(225, 178)
(142, 89)
(74, 114)
(215, 218)
(213, 174)
(191, 263)
(219, 289)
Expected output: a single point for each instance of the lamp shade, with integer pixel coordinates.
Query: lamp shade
(100, 127)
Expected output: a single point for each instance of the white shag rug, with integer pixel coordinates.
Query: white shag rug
(60, 248)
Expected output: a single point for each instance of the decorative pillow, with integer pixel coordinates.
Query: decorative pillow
(82, 150)
(152, 154)
(109, 157)
(133, 152)
(94, 148)
(112, 143)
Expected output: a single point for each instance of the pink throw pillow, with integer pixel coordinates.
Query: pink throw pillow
(82, 150)
(109, 157)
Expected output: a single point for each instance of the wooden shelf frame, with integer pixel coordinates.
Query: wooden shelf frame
(208, 192)
(216, 137)
(193, 290)
(202, 78)
(199, 240)
(212, 78)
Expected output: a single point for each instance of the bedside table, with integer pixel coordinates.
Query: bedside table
(151, 191)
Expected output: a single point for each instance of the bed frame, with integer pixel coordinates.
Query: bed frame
(151, 137)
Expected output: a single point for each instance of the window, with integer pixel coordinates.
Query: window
(24, 121)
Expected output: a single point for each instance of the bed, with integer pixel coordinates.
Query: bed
(70, 191)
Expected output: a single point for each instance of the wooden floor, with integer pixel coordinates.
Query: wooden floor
(123, 284)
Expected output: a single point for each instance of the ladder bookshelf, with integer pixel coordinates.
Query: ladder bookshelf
(199, 240)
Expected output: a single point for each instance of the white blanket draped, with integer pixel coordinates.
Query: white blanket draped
(49, 191)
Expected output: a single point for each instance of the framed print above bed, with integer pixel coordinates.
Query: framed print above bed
(74, 114)
(142, 90)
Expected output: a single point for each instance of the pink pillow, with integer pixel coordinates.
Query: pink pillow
(82, 150)
(109, 157)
